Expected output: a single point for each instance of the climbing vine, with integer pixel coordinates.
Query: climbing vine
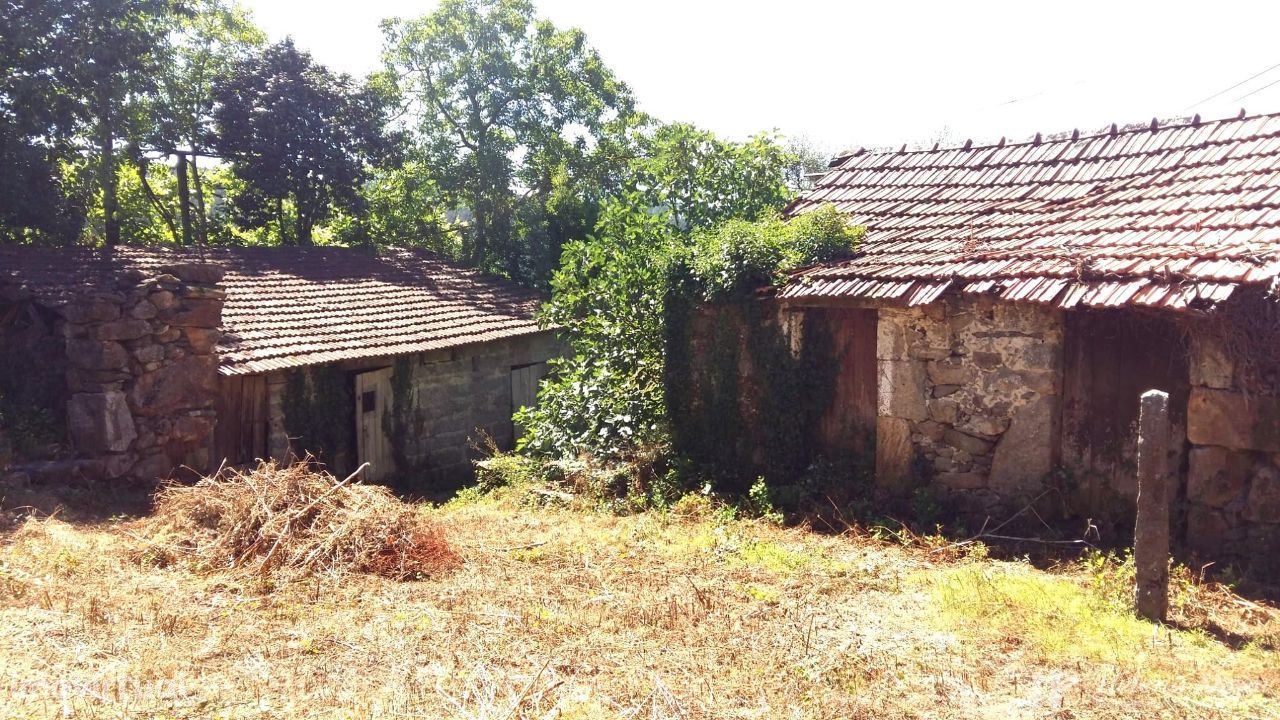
(742, 402)
(319, 410)
(1247, 328)
(404, 420)
(629, 302)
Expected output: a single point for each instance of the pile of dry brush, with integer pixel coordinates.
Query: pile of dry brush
(295, 519)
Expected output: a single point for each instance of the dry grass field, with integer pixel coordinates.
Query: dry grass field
(569, 613)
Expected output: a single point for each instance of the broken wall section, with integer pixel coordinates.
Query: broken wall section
(142, 373)
(969, 400)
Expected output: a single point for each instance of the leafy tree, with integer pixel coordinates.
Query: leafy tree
(68, 72)
(79, 79)
(611, 297)
(37, 122)
(703, 180)
(403, 207)
(809, 158)
(300, 137)
(520, 121)
(35, 203)
(702, 219)
(606, 398)
(203, 48)
(122, 42)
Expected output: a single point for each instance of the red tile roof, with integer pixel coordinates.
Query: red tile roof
(289, 307)
(1170, 214)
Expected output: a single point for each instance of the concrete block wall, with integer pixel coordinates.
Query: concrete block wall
(459, 395)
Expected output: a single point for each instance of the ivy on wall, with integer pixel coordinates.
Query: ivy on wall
(319, 415)
(404, 420)
(1247, 328)
(672, 349)
(33, 391)
(742, 404)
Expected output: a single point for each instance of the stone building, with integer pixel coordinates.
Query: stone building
(1011, 302)
(152, 359)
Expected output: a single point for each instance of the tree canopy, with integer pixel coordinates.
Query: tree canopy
(73, 75)
(521, 124)
(491, 136)
(300, 137)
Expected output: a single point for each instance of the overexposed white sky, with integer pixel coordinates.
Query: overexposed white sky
(850, 74)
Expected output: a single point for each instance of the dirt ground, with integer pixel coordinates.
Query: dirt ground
(559, 613)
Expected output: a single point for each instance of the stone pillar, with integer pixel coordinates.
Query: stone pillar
(1151, 532)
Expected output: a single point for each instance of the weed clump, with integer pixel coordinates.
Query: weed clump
(294, 519)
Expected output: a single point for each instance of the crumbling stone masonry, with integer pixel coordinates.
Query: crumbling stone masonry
(141, 373)
(969, 395)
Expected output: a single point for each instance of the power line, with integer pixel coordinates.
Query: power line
(1255, 92)
(1220, 93)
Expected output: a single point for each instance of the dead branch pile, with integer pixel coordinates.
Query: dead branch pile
(295, 519)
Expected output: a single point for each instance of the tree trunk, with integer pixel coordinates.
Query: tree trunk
(107, 171)
(304, 230)
(184, 198)
(155, 200)
(202, 219)
(474, 255)
(284, 239)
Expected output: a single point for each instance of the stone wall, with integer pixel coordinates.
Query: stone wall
(969, 393)
(142, 372)
(1233, 473)
(456, 397)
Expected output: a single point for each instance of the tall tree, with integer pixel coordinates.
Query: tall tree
(203, 47)
(703, 180)
(120, 45)
(514, 116)
(41, 111)
(300, 137)
(75, 75)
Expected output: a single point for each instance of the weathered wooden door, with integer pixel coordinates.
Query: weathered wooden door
(240, 436)
(1111, 358)
(847, 429)
(524, 389)
(373, 403)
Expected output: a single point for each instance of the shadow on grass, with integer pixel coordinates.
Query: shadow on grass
(75, 500)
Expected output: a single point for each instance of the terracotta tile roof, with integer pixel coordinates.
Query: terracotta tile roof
(289, 307)
(1172, 214)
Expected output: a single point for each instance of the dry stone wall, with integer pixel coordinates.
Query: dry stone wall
(969, 393)
(142, 372)
(1233, 472)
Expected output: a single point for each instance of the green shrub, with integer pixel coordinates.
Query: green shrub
(760, 502)
(505, 470)
(737, 256)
